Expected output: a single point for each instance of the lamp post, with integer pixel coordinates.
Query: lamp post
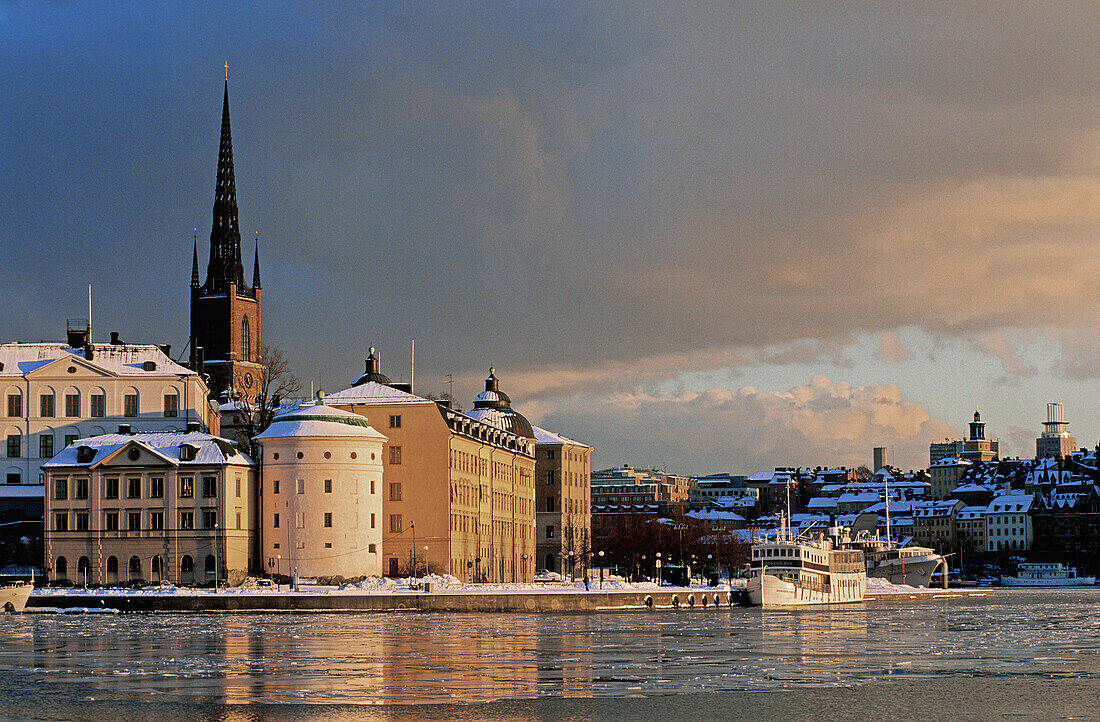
(278, 571)
(572, 569)
(641, 567)
(709, 558)
(216, 557)
(601, 569)
(425, 560)
(659, 580)
(412, 527)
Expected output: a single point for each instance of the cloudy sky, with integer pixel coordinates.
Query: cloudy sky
(710, 237)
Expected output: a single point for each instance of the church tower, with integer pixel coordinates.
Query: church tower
(226, 313)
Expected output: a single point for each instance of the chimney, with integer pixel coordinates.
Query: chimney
(124, 429)
(114, 338)
(77, 333)
(193, 426)
(89, 352)
(199, 357)
(166, 349)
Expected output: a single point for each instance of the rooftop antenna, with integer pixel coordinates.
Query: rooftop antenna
(451, 385)
(886, 481)
(412, 367)
(89, 313)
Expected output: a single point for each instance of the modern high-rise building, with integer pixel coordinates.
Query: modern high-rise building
(880, 457)
(226, 312)
(1055, 439)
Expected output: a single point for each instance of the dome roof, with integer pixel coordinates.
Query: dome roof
(373, 372)
(319, 420)
(492, 406)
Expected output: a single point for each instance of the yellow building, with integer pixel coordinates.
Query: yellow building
(459, 492)
(170, 506)
(563, 491)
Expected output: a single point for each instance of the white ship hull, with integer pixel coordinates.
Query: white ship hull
(771, 591)
(913, 571)
(1066, 582)
(14, 598)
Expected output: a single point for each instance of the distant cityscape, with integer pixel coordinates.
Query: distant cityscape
(126, 464)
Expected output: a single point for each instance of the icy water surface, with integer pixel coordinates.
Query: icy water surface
(66, 661)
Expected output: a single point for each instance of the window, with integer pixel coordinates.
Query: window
(110, 488)
(372, 548)
(209, 487)
(300, 520)
(61, 521)
(156, 520)
(99, 405)
(187, 520)
(209, 519)
(156, 488)
(550, 504)
(395, 421)
(82, 521)
(72, 405)
(275, 521)
(171, 406)
(15, 405)
(110, 521)
(238, 520)
(133, 487)
(130, 405)
(328, 486)
(69, 438)
(301, 486)
(372, 521)
(549, 477)
(45, 446)
(61, 566)
(395, 454)
(328, 519)
(80, 489)
(395, 523)
(60, 488)
(372, 486)
(395, 492)
(187, 487)
(209, 565)
(112, 565)
(274, 486)
(246, 340)
(549, 453)
(133, 520)
(187, 564)
(135, 565)
(238, 480)
(46, 405)
(549, 532)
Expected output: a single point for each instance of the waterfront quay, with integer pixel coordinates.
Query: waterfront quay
(566, 600)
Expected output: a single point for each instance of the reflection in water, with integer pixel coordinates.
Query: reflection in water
(416, 658)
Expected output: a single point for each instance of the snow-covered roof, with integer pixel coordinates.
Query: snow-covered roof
(319, 420)
(542, 436)
(865, 497)
(373, 393)
(952, 461)
(968, 513)
(209, 449)
(822, 502)
(716, 516)
(127, 359)
(1010, 503)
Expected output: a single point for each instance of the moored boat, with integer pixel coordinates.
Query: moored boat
(795, 571)
(1046, 574)
(910, 565)
(13, 597)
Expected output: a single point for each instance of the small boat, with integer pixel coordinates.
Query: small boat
(1046, 574)
(13, 597)
(796, 571)
(910, 565)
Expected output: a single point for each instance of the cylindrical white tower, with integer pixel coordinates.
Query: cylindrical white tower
(322, 494)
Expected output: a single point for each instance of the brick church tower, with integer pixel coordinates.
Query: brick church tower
(226, 313)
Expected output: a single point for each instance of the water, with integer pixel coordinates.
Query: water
(1038, 647)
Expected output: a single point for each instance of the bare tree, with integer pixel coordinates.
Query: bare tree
(254, 412)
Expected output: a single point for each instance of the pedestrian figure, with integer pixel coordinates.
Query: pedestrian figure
(586, 582)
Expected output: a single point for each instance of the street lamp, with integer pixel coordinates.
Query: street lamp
(412, 527)
(215, 557)
(425, 560)
(601, 569)
(278, 571)
(572, 569)
(659, 580)
(709, 558)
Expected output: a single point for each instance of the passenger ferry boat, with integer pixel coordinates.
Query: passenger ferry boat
(13, 597)
(911, 565)
(793, 571)
(1046, 574)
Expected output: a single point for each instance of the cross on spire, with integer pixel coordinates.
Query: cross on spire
(227, 71)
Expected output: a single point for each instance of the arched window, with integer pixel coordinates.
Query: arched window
(83, 566)
(209, 563)
(246, 340)
(135, 565)
(156, 565)
(61, 567)
(112, 565)
(187, 564)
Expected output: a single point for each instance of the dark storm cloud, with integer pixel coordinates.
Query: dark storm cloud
(561, 186)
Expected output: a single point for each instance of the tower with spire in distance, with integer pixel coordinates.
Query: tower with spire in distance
(226, 312)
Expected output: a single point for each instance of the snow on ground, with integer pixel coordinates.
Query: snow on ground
(876, 585)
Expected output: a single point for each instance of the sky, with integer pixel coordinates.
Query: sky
(708, 237)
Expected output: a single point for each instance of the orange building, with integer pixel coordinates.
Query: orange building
(459, 492)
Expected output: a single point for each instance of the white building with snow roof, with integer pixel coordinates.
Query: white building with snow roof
(54, 393)
(1008, 523)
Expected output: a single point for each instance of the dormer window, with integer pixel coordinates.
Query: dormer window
(187, 452)
(84, 454)
(150, 366)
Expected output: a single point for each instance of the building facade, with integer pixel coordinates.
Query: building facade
(459, 495)
(172, 506)
(563, 503)
(977, 448)
(1055, 441)
(226, 312)
(55, 393)
(322, 493)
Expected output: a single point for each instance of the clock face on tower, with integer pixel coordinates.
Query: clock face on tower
(248, 380)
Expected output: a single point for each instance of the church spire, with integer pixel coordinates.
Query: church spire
(195, 262)
(225, 236)
(256, 264)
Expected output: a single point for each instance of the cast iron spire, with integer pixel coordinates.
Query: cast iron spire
(256, 266)
(195, 265)
(225, 235)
